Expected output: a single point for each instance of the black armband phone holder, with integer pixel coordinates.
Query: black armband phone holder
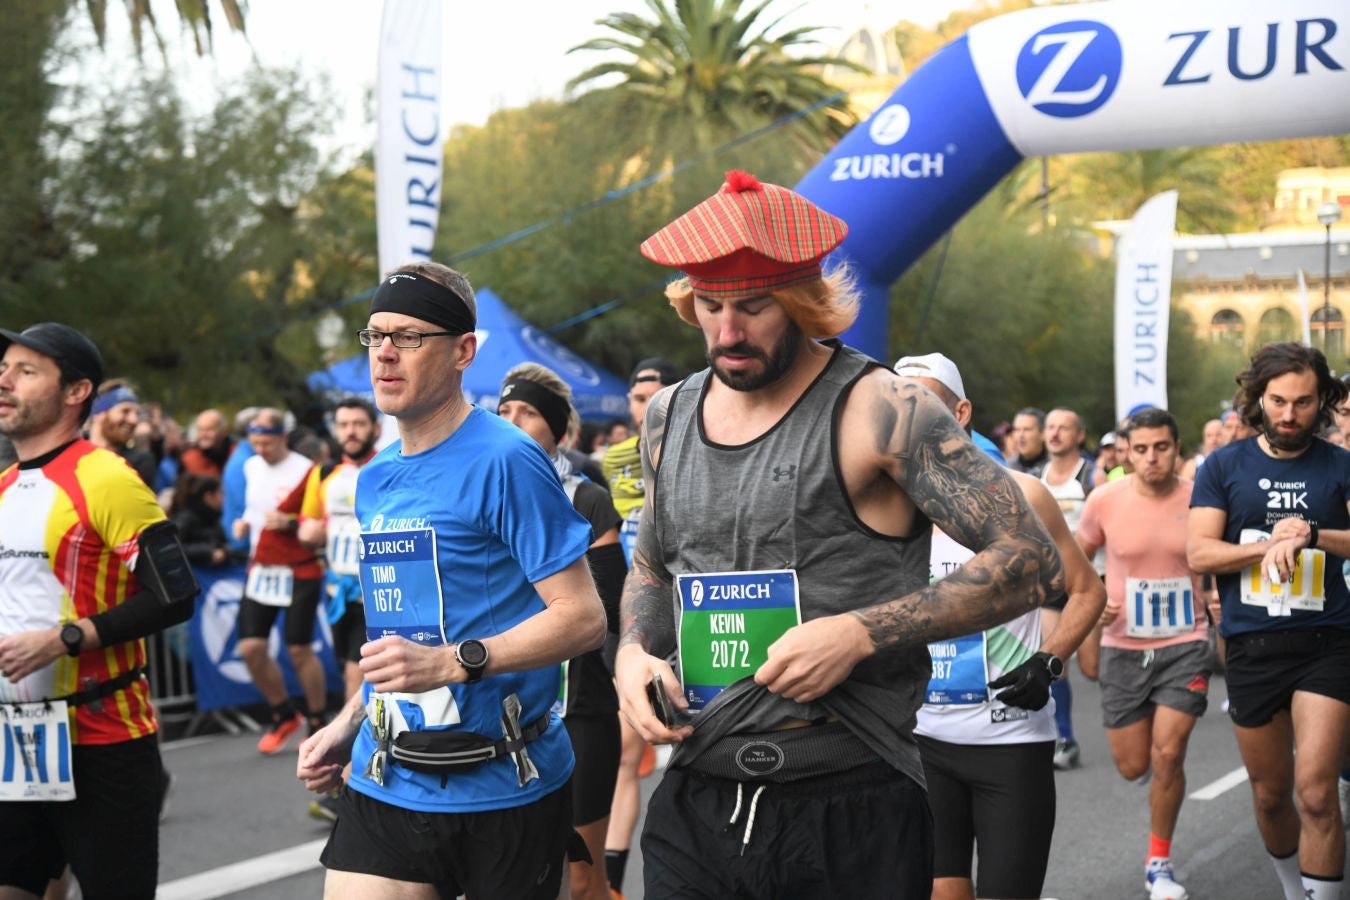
(162, 566)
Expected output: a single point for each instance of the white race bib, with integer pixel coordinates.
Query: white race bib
(1304, 590)
(344, 546)
(1159, 607)
(270, 585)
(35, 761)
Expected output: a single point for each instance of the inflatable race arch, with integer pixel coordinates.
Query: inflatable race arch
(1120, 75)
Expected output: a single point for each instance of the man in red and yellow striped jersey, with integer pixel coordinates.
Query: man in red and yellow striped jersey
(328, 520)
(79, 761)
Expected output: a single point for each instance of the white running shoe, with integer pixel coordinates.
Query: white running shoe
(1160, 882)
(1343, 789)
(1067, 755)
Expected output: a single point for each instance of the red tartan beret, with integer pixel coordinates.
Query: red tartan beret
(747, 239)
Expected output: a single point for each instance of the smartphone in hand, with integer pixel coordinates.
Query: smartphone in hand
(666, 712)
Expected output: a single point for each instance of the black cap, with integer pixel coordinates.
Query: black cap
(62, 343)
(666, 373)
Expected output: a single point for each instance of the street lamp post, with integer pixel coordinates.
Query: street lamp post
(1328, 214)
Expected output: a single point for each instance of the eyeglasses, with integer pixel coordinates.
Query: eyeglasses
(404, 340)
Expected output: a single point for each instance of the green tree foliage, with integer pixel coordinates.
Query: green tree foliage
(699, 72)
(193, 15)
(195, 249)
(548, 164)
(1115, 185)
(1027, 316)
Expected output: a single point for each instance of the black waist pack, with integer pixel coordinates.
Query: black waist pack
(1296, 642)
(446, 752)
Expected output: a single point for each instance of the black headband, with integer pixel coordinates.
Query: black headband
(410, 294)
(555, 410)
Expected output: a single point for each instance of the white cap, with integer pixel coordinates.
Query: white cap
(935, 366)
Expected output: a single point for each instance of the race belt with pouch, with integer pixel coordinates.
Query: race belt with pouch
(447, 752)
(35, 747)
(784, 756)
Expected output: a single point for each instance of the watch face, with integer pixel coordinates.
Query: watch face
(1056, 666)
(472, 654)
(72, 637)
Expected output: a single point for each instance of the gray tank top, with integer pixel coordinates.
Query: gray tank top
(779, 502)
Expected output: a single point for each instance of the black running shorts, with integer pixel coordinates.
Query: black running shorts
(349, 633)
(997, 800)
(596, 743)
(109, 834)
(862, 833)
(255, 619)
(1265, 668)
(516, 852)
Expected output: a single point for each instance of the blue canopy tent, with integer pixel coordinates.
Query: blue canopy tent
(504, 340)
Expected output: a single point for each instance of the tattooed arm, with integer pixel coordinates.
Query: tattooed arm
(920, 459)
(647, 611)
(1016, 566)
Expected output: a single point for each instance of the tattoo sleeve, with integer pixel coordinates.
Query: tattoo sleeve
(1016, 566)
(647, 612)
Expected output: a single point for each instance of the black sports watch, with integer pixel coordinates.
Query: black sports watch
(1054, 665)
(72, 637)
(473, 656)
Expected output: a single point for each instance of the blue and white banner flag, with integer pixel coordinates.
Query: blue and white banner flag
(1143, 301)
(408, 159)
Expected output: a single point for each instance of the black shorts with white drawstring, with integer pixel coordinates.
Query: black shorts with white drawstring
(862, 833)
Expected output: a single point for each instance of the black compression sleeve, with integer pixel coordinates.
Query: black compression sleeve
(609, 569)
(140, 616)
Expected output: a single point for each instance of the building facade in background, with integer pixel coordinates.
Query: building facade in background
(1243, 288)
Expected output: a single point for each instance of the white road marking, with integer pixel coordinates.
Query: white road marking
(189, 742)
(1221, 786)
(244, 875)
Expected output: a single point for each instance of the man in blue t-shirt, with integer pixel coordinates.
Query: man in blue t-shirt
(1269, 516)
(476, 586)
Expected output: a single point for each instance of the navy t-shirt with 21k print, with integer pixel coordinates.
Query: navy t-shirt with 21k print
(1256, 491)
(502, 522)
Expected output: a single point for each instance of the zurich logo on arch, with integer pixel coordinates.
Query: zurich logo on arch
(889, 125)
(1069, 69)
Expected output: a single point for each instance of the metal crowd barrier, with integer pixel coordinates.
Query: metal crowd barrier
(169, 669)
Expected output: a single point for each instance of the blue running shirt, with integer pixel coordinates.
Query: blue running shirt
(1256, 491)
(502, 522)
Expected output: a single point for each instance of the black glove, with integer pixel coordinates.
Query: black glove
(1028, 685)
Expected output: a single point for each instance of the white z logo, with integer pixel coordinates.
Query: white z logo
(1046, 88)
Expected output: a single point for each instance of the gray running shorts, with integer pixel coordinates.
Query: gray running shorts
(1135, 681)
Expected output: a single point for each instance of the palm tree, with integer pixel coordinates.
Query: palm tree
(1115, 185)
(698, 73)
(195, 14)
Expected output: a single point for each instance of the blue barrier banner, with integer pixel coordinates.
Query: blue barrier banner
(221, 676)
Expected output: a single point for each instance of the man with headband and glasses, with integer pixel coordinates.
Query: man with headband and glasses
(116, 413)
(88, 568)
(476, 587)
(783, 553)
(1270, 516)
(282, 574)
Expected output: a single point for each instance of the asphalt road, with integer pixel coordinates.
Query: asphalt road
(237, 825)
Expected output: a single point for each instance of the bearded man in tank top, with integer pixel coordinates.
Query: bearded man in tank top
(783, 554)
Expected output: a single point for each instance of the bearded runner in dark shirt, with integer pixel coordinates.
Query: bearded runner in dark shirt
(788, 567)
